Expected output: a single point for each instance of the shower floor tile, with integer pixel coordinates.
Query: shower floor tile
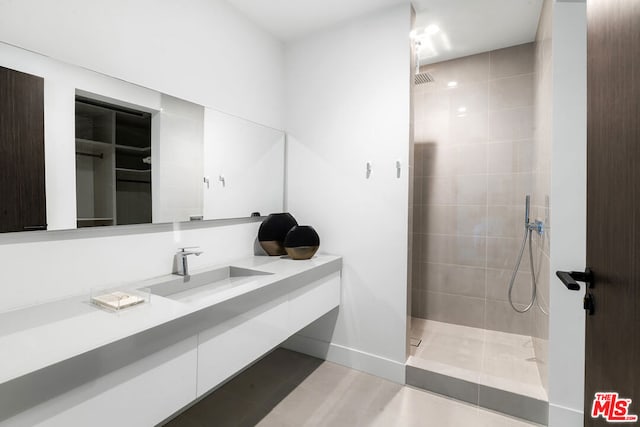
(491, 358)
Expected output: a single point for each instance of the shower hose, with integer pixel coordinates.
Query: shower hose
(534, 287)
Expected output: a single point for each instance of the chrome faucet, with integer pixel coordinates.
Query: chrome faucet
(182, 262)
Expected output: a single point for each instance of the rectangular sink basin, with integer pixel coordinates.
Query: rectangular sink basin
(206, 283)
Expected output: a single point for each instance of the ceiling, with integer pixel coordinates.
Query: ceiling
(455, 28)
(291, 19)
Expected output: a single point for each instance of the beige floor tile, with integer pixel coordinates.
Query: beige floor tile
(329, 378)
(330, 395)
(463, 356)
(303, 407)
(493, 358)
(220, 409)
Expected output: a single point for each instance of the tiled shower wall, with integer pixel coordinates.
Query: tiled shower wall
(474, 164)
(542, 185)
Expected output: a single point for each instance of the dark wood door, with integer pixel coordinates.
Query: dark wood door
(22, 179)
(613, 202)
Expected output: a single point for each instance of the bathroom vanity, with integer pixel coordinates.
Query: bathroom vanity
(72, 363)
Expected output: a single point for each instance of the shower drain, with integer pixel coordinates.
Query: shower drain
(415, 342)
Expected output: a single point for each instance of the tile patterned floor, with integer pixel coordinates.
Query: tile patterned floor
(290, 389)
(496, 359)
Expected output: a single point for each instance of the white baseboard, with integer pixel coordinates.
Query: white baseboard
(349, 357)
(560, 416)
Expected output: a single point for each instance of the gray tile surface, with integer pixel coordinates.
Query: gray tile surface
(324, 394)
(453, 279)
(443, 384)
(491, 369)
(482, 356)
(514, 404)
(512, 61)
(479, 154)
(450, 308)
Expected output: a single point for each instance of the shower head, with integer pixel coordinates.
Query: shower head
(527, 208)
(422, 78)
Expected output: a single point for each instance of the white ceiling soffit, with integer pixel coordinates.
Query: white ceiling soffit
(292, 19)
(454, 28)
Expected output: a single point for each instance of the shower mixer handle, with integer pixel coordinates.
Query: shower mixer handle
(537, 226)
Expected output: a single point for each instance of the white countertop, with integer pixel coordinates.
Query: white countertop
(40, 336)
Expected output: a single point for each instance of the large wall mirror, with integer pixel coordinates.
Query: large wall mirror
(104, 152)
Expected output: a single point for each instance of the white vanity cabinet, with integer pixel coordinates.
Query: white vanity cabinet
(312, 301)
(141, 375)
(250, 335)
(135, 382)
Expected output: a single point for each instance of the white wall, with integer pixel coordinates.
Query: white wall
(347, 92)
(203, 51)
(568, 214)
(195, 50)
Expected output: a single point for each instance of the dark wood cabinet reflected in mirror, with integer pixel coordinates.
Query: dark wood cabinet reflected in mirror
(22, 172)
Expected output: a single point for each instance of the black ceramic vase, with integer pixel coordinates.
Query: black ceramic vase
(273, 230)
(302, 242)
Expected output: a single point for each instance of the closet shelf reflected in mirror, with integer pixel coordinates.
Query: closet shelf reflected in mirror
(113, 164)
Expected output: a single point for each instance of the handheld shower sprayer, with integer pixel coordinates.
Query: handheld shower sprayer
(529, 227)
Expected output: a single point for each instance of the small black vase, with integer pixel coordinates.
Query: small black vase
(273, 230)
(302, 242)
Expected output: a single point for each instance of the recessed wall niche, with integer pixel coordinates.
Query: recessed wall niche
(113, 164)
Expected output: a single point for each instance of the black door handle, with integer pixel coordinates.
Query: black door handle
(568, 281)
(571, 279)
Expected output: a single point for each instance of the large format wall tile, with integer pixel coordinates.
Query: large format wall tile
(476, 159)
(453, 279)
(508, 189)
(511, 124)
(510, 157)
(501, 317)
(505, 221)
(454, 190)
(447, 160)
(511, 92)
(469, 98)
(468, 128)
(457, 309)
(512, 61)
(459, 250)
(502, 253)
(498, 285)
(474, 68)
(470, 220)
